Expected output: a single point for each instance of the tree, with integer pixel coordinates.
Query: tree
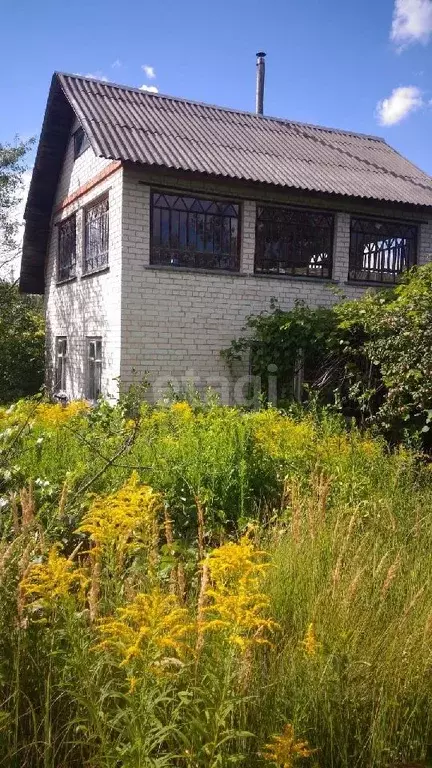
(12, 168)
(21, 343)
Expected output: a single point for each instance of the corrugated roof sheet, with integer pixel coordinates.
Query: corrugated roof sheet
(132, 125)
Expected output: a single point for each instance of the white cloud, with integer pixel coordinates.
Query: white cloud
(412, 22)
(402, 101)
(116, 64)
(97, 76)
(149, 71)
(149, 88)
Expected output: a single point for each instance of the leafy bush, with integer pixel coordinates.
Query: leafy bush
(21, 344)
(206, 587)
(371, 358)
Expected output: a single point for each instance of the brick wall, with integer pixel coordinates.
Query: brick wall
(175, 321)
(87, 305)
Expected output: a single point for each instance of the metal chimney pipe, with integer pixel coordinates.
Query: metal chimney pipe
(260, 77)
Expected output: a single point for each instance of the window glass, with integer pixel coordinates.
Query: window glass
(66, 262)
(381, 250)
(194, 232)
(96, 236)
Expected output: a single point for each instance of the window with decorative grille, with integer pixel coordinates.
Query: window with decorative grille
(295, 242)
(194, 232)
(66, 262)
(61, 361)
(380, 250)
(96, 239)
(94, 368)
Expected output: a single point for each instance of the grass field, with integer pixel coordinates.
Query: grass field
(205, 587)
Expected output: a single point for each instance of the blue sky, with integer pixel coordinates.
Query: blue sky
(328, 62)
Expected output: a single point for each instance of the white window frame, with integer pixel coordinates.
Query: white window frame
(94, 351)
(60, 363)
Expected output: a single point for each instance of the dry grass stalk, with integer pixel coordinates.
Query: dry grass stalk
(95, 582)
(202, 599)
(15, 514)
(200, 516)
(296, 513)
(28, 505)
(181, 582)
(154, 549)
(169, 536)
(63, 499)
(391, 575)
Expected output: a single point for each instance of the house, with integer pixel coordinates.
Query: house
(155, 225)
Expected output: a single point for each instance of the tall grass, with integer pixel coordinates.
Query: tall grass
(180, 587)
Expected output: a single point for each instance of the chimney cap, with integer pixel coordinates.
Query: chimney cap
(261, 54)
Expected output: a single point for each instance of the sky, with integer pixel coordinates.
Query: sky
(361, 65)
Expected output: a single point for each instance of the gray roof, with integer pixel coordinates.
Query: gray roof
(155, 130)
(165, 132)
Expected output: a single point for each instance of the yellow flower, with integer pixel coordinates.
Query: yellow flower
(54, 415)
(123, 520)
(237, 604)
(284, 750)
(47, 583)
(182, 409)
(310, 643)
(152, 629)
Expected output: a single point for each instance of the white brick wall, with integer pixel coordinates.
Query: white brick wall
(91, 305)
(164, 322)
(176, 321)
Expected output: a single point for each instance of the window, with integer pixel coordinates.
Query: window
(81, 142)
(60, 366)
(381, 250)
(94, 368)
(96, 237)
(292, 241)
(193, 232)
(66, 262)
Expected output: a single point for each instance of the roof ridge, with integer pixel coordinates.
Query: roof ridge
(232, 110)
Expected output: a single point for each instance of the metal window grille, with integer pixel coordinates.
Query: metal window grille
(94, 363)
(66, 263)
(61, 361)
(293, 242)
(194, 232)
(81, 142)
(96, 236)
(381, 250)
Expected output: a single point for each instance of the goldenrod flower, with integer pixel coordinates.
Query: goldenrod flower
(182, 409)
(54, 415)
(285, 751)
(310, 643)
(48, 582)
(123, 520)
(153, 629)
(237, 604)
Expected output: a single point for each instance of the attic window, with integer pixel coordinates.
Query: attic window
(81, 142)
(381, 250)
(194, 232)
(294, 242)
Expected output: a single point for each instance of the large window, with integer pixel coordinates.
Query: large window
(94, 368)
(292, 241)
(194, 232)
(96, 239)
(66, 262)
(380, 250)
(60, 365)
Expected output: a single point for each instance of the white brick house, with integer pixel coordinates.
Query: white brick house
(155, 226)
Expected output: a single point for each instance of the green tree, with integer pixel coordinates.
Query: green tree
(12, 168)
(21, 343)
